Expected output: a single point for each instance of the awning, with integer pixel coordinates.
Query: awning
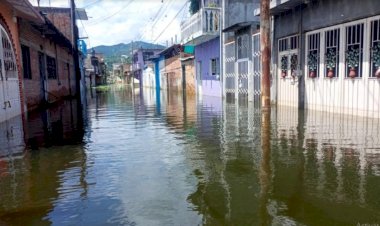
(241, 25)
(25, 10)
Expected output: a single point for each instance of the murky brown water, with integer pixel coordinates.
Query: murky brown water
(183, 161)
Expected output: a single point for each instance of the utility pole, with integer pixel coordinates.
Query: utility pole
(75, 50)
(265, 54)
(77, 74)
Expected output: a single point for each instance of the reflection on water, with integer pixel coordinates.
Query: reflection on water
(172, 160)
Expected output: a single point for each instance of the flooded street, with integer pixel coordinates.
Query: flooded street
(140, 159)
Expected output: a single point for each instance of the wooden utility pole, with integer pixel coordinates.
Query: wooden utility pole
(75, 50)
(265, 54)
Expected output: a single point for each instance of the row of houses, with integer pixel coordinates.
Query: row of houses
(36, 56)
(325, 54)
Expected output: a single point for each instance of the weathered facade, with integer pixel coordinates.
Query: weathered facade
(202, 30)
(11, 86)
(48, 67)
(325, 60)
(241, 51)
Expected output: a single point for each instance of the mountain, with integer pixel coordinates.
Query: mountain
(112, 54)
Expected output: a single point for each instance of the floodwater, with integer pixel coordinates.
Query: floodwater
(133, 158)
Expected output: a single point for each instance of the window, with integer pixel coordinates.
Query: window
(51, 67)
(288, 56)
(375, 49)
(215, 67)
(354, 50)
(26, 62)
(332, 38)
(313, 41)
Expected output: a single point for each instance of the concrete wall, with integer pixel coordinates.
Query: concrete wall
(210, 84)
(58, 88)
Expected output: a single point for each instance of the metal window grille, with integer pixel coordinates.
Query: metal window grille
(313, 54)
(283, 44)
(51, 67)
(9, 60)
(294, 42)
(27, 72)
(375, 47)
(332, 38)
(354, 50)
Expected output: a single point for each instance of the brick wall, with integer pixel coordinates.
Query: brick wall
(173, 73)
(56, 88)
(62, 21)
(190, 76)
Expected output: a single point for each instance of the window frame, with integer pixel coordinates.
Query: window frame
(288, 49)
(50, 67)
(26, 63)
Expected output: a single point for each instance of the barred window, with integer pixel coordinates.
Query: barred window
(354, 50)
(215, 66)
(375, 49)
(27, 72)
(51, 67)
(332, 38)
(313, 55)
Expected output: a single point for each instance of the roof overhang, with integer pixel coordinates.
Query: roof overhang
(239, 26)
(50, 31)
(80, 13)
(24, 9)
(279, 6)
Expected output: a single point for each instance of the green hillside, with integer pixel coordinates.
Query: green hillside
(112, 54)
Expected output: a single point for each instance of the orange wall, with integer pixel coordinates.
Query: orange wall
(6, 19)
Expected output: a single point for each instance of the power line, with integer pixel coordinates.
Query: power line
(171, 21)
(108, 17)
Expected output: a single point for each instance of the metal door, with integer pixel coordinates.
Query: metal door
(256, 61)
(10, 103)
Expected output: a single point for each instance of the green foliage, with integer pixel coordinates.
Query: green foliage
(113, 54)
(376, 55)
(352, 58)
(284, 63)
(331, 59)
(312, 61)
(194, 6)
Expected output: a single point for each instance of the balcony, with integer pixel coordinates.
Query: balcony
(201, 27)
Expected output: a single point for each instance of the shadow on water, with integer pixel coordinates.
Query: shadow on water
(168, 159)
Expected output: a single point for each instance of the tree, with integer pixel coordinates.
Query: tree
(194, 6)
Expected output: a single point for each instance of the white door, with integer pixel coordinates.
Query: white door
(10, 105)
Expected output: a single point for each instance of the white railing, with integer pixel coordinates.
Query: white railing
(205, 22)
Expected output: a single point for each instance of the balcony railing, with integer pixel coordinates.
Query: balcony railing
(206, 22)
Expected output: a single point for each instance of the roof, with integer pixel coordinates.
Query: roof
(81, 13)
(241, 25)
(50, 31)
(24, 9)
(170, 50)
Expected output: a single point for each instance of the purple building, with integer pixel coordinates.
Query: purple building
(207, 68)
(202, 31)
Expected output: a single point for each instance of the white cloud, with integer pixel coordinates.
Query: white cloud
(116, 21)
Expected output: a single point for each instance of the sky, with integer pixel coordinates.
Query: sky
(122, 21)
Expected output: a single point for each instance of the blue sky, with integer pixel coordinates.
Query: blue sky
(121, 21)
